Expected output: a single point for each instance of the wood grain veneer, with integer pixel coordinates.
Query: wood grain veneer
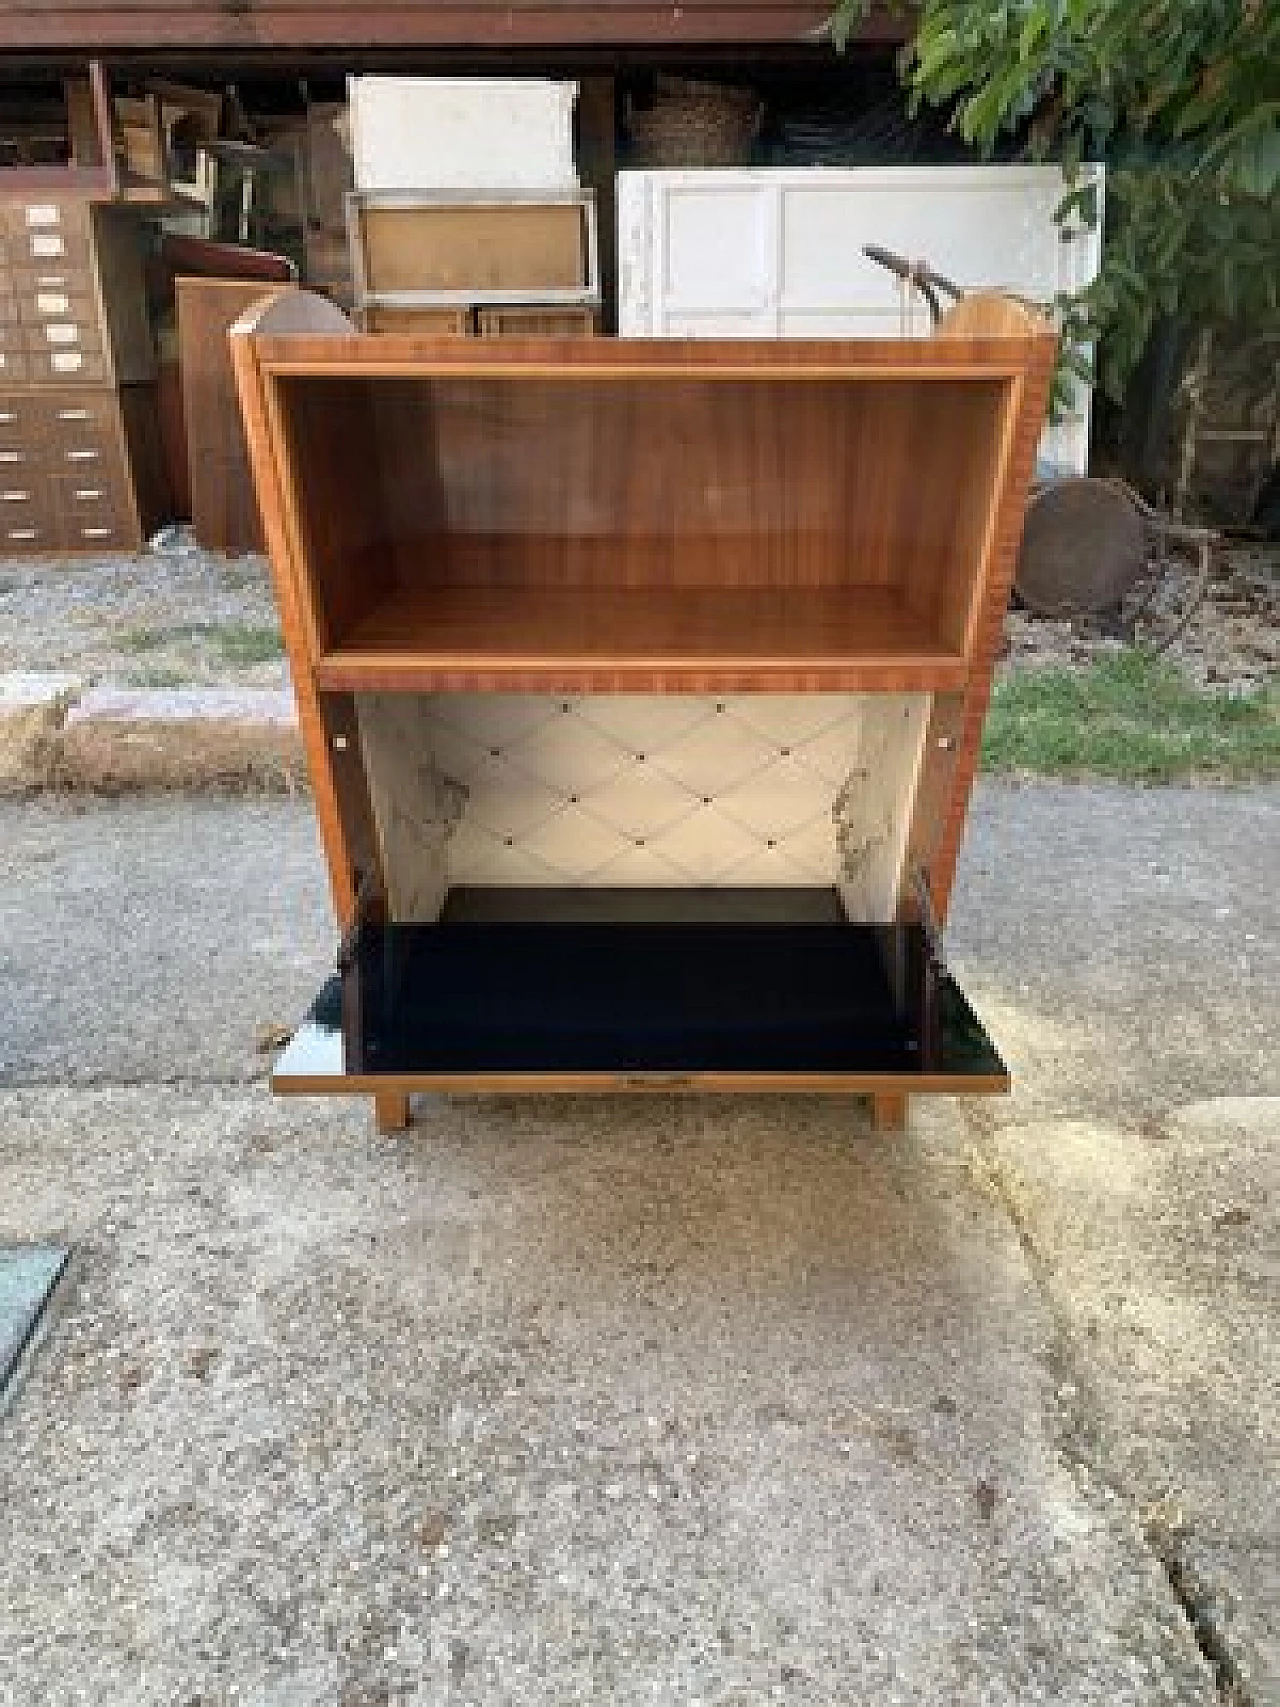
(594, 516)
(581, 638)
(224, 514)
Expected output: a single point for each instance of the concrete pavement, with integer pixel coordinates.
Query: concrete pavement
(645, 1400)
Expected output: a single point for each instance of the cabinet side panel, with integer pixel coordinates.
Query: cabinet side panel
(334, 497)
(1028, 402)
(265, 453)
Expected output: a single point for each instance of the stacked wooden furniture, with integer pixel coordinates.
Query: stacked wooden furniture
(642, 685)
(475, 261)
(80, 466)
(467, 217)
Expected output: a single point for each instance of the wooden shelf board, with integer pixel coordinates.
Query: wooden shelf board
(575, 638)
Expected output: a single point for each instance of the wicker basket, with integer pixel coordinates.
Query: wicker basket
(694, 124)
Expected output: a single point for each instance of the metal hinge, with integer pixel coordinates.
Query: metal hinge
(367, 893)
(929, 921)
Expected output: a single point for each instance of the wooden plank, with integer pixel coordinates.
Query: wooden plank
(694, 639)
(720, 360)
(536, 320)
(888, 1085)
(391, 1110)
(889, 1111)
(328, 749)
(224, 510)
(105, 26)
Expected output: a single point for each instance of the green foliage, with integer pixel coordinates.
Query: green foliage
(1182, 100)
(246, 642)
(237, 643)
(1132, 717)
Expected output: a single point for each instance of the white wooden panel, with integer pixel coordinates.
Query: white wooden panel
(719, 251)
(465, 133)
(752, 253)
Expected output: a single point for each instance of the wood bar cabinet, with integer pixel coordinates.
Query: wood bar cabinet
(642, 686)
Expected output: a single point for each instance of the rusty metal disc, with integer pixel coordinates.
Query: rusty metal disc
(1084, 545)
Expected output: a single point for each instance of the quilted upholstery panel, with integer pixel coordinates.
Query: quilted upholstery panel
(619, 789)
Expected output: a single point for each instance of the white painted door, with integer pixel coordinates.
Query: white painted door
(778, 253)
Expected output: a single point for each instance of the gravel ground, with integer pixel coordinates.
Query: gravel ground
(658, 1399)
(182, 615)
(172, 616)
(1232, 641)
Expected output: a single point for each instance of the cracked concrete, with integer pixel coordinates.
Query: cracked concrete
(657, 1399)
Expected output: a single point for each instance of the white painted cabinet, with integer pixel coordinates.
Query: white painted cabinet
(778, 253)
(462, 133)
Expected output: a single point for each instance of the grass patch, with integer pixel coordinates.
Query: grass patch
(238, 643)
(1133, 717)
(246, 642)
(142, 639)
(158, 677)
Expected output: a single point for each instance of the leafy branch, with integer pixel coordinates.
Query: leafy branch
(1181, 98)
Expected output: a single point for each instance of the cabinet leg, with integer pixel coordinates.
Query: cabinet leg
(889, 1111)
(392, 1110)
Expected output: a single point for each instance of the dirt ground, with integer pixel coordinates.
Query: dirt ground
(1232, 641)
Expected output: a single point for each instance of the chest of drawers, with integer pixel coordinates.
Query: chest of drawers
(79, 466)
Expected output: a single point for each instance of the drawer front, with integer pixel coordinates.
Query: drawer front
(54, 337)
(27, 534)
(81, 433)
(29, 282)
(90, 509)
(39, 252)
(13, 365)
(23, 421)
(42, 304)
(25, 511)
(38, 216)
(21, 462)
(66, 366)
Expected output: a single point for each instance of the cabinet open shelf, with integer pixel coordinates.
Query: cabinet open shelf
(426, 639)
(641, 521)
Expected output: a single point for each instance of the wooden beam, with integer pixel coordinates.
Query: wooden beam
(108, 26)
